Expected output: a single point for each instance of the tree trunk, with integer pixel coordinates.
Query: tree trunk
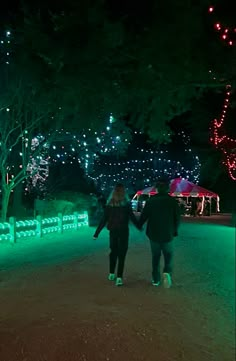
(5, 202)
(17, 205)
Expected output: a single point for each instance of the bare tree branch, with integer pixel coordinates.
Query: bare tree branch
(11, 131)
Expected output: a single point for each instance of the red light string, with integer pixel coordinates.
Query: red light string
(226, 144)
(227, 33)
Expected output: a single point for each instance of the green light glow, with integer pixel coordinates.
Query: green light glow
(29, 228)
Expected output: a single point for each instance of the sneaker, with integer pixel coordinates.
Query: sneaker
(112, 277)
(119, 281)
(155, 283)
(167, 282)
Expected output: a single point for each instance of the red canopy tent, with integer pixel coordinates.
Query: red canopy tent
(181, 187)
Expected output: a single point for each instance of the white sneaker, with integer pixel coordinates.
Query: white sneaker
(167, 282)
(156, 283)
(119, 281)
(112, 277)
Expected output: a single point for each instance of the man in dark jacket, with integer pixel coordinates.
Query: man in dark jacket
(162, 215)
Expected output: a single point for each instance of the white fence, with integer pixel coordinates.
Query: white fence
(12, 230)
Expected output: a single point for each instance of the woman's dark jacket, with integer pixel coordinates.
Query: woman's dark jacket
(116, 218)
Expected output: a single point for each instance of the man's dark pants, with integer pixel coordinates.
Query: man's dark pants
(119, 245)
(159, 248)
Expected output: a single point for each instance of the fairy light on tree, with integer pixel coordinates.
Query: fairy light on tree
(24, 108)
(147, 166)
(88, 145)
(5, 44)
(221, 140)
(38, 166)
(226, 32)
(218, 135)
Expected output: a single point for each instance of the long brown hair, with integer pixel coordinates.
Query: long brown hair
(118, 196)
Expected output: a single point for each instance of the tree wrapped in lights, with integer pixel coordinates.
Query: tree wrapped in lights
(64, 147)
(38, 166)
(19, 121)
(219, 138)
(25, 108)
(29, 104)
(222, 141)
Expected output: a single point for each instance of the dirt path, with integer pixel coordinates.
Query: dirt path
(68, 311)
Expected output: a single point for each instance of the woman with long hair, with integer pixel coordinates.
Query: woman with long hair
(116, 216)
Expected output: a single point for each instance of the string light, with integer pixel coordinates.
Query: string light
(226, 144)
(226, 33)
(76, 149)
(222, 141)
(87, 148)
(38, 166)
(83, 148)
(5, 50)
(147, 167)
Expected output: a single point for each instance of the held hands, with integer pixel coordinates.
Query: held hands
(138, 226)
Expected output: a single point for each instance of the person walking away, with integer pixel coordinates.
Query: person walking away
(101, 201)
(93, 211)
(116, 216)
(207, 207)
(162, 215)
(199, 207)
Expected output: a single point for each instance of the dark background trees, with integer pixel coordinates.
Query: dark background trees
(151, 63)
(149, 60)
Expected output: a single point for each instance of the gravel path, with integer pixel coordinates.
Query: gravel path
(56, 304)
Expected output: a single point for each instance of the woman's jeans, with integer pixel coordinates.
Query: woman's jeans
(119, 246)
